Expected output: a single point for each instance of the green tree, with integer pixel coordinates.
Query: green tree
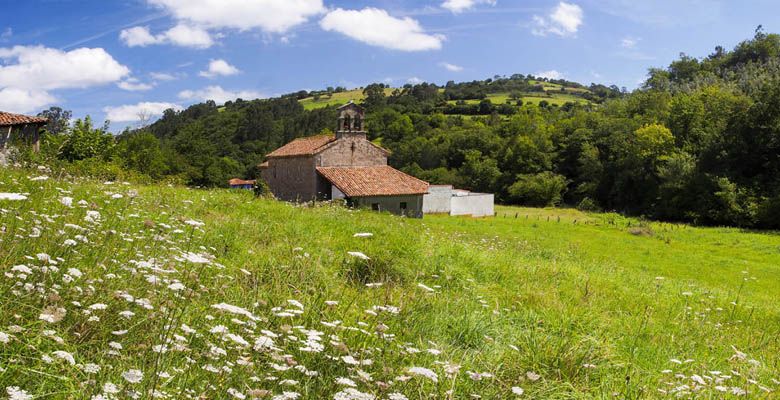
(539, 190)
(479, 173)
(85, 141)
(142, 152)
(58, 120)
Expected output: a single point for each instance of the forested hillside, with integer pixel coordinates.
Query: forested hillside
(699, 141)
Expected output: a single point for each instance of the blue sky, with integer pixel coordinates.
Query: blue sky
(116, 59)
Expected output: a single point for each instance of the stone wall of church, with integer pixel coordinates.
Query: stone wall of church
(292, 178)
(351, 151)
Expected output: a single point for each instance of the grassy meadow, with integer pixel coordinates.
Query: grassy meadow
(337, 99)
(552, 95)
(114, 291)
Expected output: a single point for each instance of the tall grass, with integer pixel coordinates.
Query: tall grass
(156, 291)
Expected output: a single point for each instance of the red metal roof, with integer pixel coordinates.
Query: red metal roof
(302, 146)
(8, 119)
(382, 180)
(236, 181)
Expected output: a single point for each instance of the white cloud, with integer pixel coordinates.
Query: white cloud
(24, 101)
(163, 76)
(219, 67)
(451, 67)
(29, 73)
(564, 20)
(138, 36)
(414, 80)
(218, 94)
(189, 36)
(628, 42)
(458, 6)
(272, 16)
(134, 85)
(551, 74)
(180, 35)
(38, 67)
(376, 27)
(138, 112)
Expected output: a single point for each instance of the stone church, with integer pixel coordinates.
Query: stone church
(343, 166)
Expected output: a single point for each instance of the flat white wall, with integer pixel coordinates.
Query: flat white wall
(437, 200)
(475, 204)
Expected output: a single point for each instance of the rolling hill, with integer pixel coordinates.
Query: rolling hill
(536, 91)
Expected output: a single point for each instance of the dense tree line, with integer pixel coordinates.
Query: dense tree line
(699, 141)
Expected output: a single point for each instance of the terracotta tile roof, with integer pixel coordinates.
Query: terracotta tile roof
(302, 146)
(8, 119)
(381, 180)
(236, 181)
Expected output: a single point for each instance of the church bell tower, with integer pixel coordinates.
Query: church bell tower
(351, 121)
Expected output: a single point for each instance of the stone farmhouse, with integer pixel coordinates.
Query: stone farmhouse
(343, 166)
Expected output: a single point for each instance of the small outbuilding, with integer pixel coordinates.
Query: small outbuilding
(445, 199)
(236, 183)
(20, 128)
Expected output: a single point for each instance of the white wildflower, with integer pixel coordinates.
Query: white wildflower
(15, 393)
(424, 287)
(296, 303)
(195, 258)
(91, 368)
(424, 372)
(236, 393)
(133, 376)
(345, 382)
(110, 388)
(234, 310)
(517, 390)
(263, 343)
(67, 201)
(358, 254)
(352, 394)
(92, 216)
(64, 355)
(12, 196)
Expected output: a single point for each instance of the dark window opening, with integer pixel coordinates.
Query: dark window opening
(375, 206)
(403, 205)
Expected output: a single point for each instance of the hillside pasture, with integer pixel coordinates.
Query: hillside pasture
(120, 290)
(337, 99)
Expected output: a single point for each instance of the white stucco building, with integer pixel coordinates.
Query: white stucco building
(444, 199)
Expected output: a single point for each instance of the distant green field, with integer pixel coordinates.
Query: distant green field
(114, 290)
(552, 97)
(337, 99)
